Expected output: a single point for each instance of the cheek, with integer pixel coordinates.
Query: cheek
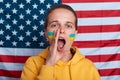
(71, 37)
(50, 34)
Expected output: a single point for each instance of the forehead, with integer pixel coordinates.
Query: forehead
(61, 13)
(61, 10)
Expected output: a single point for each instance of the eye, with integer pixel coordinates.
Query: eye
(69, 26)
(54, 25)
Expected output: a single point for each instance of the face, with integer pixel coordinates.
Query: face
(64, 20)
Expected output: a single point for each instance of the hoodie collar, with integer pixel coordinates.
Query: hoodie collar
(76, 57)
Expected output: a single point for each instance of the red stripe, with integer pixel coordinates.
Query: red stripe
(13, 59)
(94, 44)
(103, 72)
(94, 58)
(109, 72)
(104, 58)
(79, 1)
(13, 73)
(98, 13)
(98, 28)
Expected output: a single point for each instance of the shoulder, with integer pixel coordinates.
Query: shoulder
(34, 61)
(88, 65)
(38, 58)
(83, 60)
(88, 62)
(33, 58)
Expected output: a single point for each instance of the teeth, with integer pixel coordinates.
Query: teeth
(60, 38)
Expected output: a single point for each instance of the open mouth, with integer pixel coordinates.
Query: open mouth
(61, 43)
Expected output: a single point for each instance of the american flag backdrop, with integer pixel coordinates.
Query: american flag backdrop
(22, 34)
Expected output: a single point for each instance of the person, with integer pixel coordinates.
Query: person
(61, 60)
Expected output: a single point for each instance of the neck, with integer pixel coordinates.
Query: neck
(67, 57)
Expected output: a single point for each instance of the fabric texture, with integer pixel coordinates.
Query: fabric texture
(78, 68)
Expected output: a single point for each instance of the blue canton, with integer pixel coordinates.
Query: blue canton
(22, 23)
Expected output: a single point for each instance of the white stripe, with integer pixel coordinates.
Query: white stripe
(98, 21)
(97, 36)
(11, 66)
(100, 51)
(85, 51)
(107, 65)
(19, 51)
(8, 78)
(95, 6)
(115, 77)
(99, 65)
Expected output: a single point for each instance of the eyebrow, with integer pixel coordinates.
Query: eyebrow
(58, 22)
(53, 21)
(70, 22)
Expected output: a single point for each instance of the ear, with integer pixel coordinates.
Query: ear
(76, 32)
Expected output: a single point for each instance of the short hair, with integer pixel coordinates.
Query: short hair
(64, 6)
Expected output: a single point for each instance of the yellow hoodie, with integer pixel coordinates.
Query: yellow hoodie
(78, 68)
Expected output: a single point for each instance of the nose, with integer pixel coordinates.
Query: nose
(62, 30)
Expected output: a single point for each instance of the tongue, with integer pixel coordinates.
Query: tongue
(60, 44)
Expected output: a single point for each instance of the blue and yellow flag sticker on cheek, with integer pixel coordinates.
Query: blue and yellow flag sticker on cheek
(71, 37)
(50, 35)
